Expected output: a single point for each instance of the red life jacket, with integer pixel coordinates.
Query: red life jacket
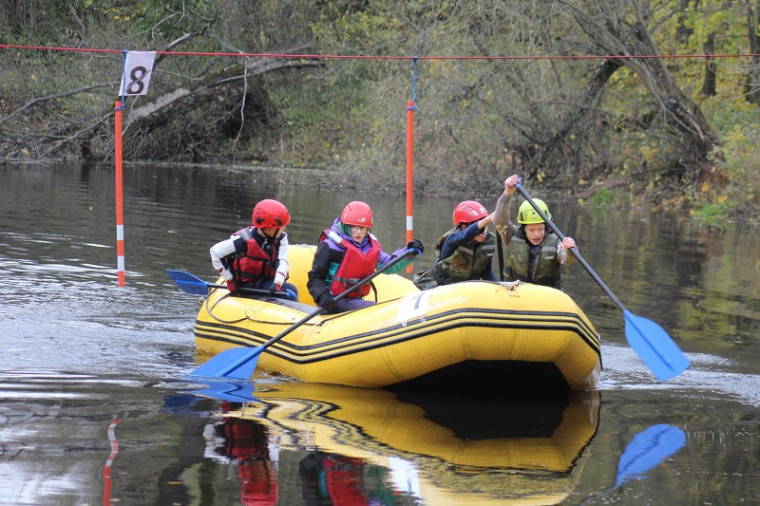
(355, 266)
(344, 480)
(254, 264)
(259, 483)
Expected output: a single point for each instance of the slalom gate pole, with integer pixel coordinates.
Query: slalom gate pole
(119, 193)
(409, 174)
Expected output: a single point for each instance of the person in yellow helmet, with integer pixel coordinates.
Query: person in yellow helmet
(533, 252)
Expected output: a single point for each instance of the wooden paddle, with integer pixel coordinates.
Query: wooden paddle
(190, 283)
(655, 347)
(239, 363)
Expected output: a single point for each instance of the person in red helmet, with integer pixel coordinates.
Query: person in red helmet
(348, 252)
(463, 253)
(257, 256)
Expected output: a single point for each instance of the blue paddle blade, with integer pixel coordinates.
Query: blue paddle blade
(188, 283)
(655, 347)
(237, 363)
(648, 449)
(227, 391)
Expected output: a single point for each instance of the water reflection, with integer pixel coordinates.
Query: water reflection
(426, 448)
(108, 353)
(648, 449)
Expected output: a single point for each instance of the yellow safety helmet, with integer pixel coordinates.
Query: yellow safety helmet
(527, 214)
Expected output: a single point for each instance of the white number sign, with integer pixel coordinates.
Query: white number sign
(138, 68)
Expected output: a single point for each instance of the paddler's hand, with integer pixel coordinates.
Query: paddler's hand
(416, 244)
(326, 302)
(510, 182)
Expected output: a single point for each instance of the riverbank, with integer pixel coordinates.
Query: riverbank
(613, 193)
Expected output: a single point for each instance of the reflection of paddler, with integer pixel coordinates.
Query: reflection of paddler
(245, 443)
(336, 478)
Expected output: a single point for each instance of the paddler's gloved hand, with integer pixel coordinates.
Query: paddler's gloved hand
(416, 244)
(232, 287)
(274, 288)
(326, 302)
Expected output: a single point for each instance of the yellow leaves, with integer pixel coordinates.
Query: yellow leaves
(705, 187)
(650, 152)
(721, 199)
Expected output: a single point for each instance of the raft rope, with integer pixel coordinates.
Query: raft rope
(210, 311)
(511, 287)
(389, 57)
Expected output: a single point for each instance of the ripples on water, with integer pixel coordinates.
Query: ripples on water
(79, 352)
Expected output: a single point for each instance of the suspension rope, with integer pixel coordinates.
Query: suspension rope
(375, 57)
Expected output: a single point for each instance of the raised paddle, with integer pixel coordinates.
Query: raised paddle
(240, 362)
(190, 283)
(655, 347)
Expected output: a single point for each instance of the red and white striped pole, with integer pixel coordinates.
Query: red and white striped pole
(409, 174)
(119, 193)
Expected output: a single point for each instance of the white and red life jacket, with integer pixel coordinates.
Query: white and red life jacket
(255, 263)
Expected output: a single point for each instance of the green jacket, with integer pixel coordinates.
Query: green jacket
(468, 261)
(546, 266)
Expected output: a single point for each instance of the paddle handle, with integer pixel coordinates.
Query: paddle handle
(575, 251)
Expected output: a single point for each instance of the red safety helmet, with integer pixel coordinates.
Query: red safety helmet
(357, 213)
(469, 211)
(270, 214)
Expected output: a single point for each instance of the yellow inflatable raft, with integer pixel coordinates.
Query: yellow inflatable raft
(466, 334)
(441, 449)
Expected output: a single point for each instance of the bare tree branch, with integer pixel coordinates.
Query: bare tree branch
(31, 103)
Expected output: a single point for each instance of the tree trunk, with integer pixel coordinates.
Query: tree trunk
(708, 86)
(610, 34)
(752, 86)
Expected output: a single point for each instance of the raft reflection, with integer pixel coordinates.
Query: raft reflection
(360, 445)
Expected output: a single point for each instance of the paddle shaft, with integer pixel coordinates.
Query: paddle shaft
(190, 283)
(246, 364)
(500, 251)
(578, 256)
(338, 297)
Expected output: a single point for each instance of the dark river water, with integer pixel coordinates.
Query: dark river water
(96, 406)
